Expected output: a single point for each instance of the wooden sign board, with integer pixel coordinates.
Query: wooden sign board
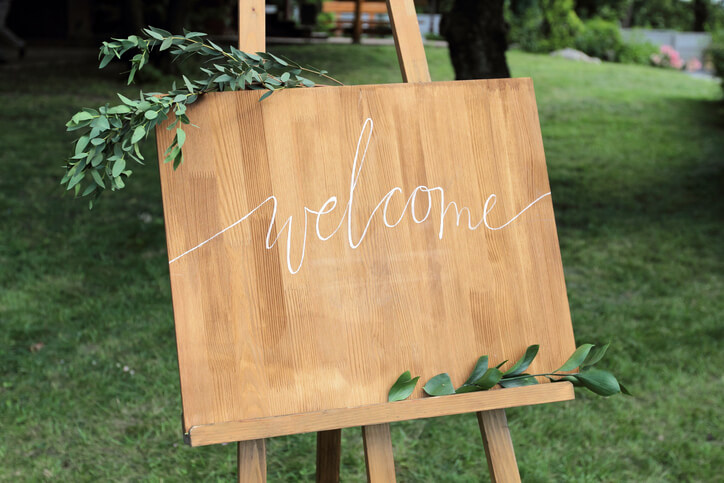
(323, 241)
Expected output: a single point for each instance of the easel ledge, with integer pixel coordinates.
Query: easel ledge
(378, 413)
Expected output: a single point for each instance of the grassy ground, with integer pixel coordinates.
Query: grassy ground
(637, 170)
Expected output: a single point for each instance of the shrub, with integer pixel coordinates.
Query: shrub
(600, 38)
(326, 22)
(525, 30)
(715, 54)
(637, 53)
(667, 57)
(560, 25)
(549, 25)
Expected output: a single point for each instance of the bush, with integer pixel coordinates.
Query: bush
(637, 53)
(326, 22)
(525, 30)
(715, 54)
(667, 57)
(560, 25)
(546, 26)
(600, 38)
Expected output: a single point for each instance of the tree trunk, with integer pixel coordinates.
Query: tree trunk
(476, 34)
(701, 15)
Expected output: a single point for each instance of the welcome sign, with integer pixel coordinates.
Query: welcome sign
(323, 241)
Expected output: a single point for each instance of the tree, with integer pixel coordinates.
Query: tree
(476, 34)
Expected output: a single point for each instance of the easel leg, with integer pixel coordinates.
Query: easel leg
(498, 446)
(329, 452)
(252, 461)
(378, 453)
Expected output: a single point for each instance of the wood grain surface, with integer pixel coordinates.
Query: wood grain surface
(498, 445)
(379, 457)
(408, 41)
(257, 342)
(252, 25)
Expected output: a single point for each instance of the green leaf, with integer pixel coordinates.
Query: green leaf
(480, 367)
(468, 388)
(178, 161)
(97, 159)
(223, 78)
(138, 152)
(138, 134)
(576, 358)
(624, 390)
(572, 379)
(101, 123)
(440, 385)
(75, 180)
(126, 100)
(180, 136)
(150, 115)
(106, 60)
(153, 34)
(81, 144)
(491, 377)
(600, 382)
(524, 362)
(266, 94)
(89, 189)
(97, 178)
(595, 355)
(518, 382)
(188, 83)
(118, 167)
(175, 150)
(402, 388)
(501, 364)
(81, 116)
(119, 110)
(166, 43)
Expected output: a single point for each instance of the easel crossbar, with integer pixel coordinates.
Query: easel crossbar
(379, 413)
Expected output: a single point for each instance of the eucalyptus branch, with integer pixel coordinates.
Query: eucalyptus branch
(109, 136)
(484, 378)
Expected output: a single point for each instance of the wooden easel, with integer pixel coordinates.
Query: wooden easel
(377, 442)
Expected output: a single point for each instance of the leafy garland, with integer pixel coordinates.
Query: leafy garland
(109, 136)
(483, 378)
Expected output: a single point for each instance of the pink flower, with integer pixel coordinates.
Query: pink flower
(693, 65)
(670, 57)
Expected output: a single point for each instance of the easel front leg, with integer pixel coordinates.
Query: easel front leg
(379, 459)
(329, 453)
(498, 446)
(251, 458)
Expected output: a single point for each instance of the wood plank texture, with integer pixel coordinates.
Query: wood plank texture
(329, 454)
(379, 413)
(379, 458)
(252, 25)
(251, 460)
(498, 446)
(408, 41)
(272, 321)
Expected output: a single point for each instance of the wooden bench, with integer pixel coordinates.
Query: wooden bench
(369, 13)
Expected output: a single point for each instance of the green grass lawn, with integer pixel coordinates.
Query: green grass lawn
(636, 161)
